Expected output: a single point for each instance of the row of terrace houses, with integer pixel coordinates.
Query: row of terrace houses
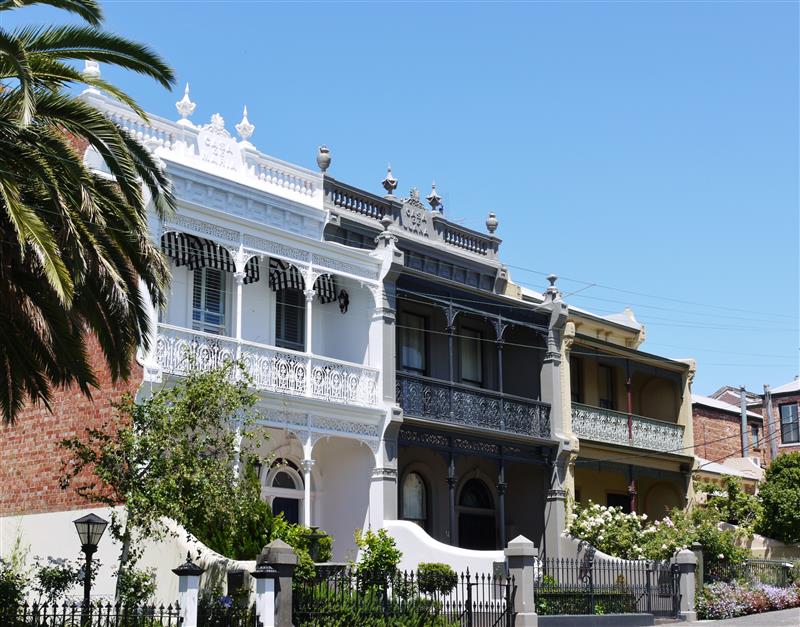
(403, 375)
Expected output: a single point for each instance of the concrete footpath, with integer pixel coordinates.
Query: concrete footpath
(781, 618)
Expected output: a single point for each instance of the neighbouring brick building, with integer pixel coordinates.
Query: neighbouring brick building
(30, 454)
(718, 431)
(785, 419)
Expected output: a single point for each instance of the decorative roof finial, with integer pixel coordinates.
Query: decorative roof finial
(185, 106)
(552, 291)
(434, 199)
(491, 223)
(91, 69)
(323, 158)
(389, 183)
(244, 128)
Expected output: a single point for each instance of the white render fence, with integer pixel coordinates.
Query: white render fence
(178, 350)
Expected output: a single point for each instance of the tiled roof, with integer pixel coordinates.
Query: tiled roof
(721, 405)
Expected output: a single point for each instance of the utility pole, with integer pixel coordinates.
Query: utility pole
(743, 405)
(771, 426)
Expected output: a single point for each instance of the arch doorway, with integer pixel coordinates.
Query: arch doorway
(284, 491)
(476, 517)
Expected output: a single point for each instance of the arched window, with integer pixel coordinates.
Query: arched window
(415, 499)
(284, 490)
(476, 518)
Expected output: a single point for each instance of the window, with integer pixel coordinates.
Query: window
(284, 490)
(754, 436)
(415, 500)
(290, 309)
(208, 301)
(606, 386)
(412, 343)
(790, 429)
(476, 518)
(471, 355)
(576, 379)
(619, 500)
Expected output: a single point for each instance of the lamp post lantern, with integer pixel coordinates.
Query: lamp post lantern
(90, 529)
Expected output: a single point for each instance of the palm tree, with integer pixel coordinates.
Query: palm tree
(74, 244)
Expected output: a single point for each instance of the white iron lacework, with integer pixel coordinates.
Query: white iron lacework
(605, 425)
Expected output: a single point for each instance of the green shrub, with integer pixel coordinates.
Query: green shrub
(13, 584)
(436, 578)
(379, 555)
(780, 498)
(298, 537)
(54, 579)
(136, 586)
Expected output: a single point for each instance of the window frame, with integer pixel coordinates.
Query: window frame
(201, 324)
(478, 338)
(405, 332)
(281, 307)
(576, 376)
(609, 403)
(789, 423)
(421, 522)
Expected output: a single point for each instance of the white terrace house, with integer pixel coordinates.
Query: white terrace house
(253, 278)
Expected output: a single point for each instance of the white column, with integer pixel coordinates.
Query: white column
(237, 452)
(188, 590)
(239, 276)
(307, 464)
(265, 577)
(309, 336)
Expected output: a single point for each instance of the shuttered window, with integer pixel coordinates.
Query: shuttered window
(290, 312)
(208, 301)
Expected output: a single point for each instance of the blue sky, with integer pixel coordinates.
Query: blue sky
(649, 147)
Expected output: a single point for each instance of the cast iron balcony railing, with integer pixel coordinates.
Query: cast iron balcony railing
(273, 369)
(442, 401)
(611, 427)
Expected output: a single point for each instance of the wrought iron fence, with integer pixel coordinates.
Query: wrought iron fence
(589, 586)
(347, 598)
(96, 615)
(226, 615)
(770, 572)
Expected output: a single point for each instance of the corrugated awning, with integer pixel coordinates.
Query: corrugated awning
(284, 275)
(197, 252)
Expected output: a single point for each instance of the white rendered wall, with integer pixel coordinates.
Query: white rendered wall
(345, 471)
(344, 336)
(178, 299)
(53, 535)
(417, 546)
(258, 312)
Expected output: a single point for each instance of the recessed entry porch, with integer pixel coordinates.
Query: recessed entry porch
(473, 492)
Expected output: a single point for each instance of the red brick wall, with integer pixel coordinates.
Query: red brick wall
(777, 401)
(717, 434)
(30, 457)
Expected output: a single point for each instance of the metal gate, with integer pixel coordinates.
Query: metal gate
(589, 586)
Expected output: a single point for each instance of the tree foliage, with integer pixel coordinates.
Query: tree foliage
(780, 498)
(170, 455)
(74, 244)
(731, 503)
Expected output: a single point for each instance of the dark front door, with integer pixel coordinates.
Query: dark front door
(476, 531)
(289, 507)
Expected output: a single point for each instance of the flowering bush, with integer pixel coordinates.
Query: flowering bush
(632, 536)
(728, 600)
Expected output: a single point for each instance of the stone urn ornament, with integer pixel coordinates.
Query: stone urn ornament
(324, 158)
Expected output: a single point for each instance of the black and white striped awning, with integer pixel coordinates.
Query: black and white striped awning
(284, 275)
(197, 252)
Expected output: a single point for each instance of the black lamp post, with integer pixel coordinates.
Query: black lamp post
(90, 529)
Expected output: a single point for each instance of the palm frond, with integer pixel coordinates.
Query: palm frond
(89, 10)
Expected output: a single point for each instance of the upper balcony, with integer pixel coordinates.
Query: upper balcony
(614, 427)
(272, 369)
(625, 401)
(469, 368)
(300, 329)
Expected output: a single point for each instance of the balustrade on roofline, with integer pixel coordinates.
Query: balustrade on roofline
(179, 350)
(182, 139)
(458, 404)
(367, 205)
(611, 427)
